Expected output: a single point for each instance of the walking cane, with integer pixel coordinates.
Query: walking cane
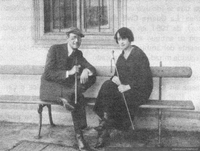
(76, 80)
(129, 115)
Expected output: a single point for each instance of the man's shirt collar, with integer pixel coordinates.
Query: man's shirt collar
(70, 50)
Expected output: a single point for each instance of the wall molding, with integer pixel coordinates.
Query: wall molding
(89, 41)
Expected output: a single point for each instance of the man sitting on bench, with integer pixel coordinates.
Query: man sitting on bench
(63, 65)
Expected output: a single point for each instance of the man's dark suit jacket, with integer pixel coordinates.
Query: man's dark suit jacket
(54, 83)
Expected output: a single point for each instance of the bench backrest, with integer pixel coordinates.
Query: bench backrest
(103, 73)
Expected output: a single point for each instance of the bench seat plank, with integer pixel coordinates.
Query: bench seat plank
(169, 104)
(24, 99)
(155, 104)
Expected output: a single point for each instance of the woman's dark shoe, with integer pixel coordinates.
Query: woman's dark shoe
(102, 125)
(102, 130)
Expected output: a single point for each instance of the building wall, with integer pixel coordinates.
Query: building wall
(167, 31)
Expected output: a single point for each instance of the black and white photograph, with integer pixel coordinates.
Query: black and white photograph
(99, 75)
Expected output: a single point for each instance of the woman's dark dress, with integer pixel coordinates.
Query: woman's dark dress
(134, 71)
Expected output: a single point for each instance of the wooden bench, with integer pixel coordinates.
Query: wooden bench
(103, 73)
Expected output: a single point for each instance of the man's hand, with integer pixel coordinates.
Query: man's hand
(74, 70)
(123, 88)
(116, 80)
(84, 76)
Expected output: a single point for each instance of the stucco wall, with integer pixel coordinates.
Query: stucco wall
(168, 31)
(16, 31)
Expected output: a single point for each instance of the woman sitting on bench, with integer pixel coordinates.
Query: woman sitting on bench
(131, 83)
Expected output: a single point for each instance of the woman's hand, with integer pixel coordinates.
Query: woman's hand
(123, 88)
(116, 80)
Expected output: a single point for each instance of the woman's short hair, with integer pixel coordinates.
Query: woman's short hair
(124, 32)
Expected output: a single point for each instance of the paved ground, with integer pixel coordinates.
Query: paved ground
(11, 134)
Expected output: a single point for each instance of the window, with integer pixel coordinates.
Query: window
(97, 15)
(59, 15)
(96, 18)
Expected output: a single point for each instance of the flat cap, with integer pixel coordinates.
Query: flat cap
(74, 30)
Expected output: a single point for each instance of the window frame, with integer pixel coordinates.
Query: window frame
(91, 40)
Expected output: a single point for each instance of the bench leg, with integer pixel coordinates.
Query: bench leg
(50, 116)
(159, 128)
(40, 109)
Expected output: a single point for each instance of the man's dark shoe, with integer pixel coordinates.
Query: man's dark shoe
(67, 105)
(82, 146)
